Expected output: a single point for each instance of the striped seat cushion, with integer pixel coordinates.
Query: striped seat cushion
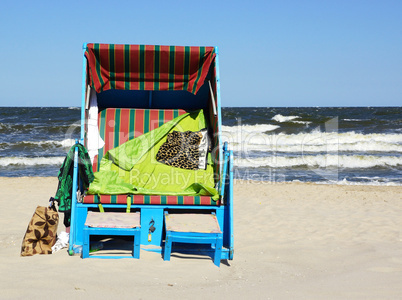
(150, 199)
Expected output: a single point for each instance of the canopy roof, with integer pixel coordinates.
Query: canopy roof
(146, 67)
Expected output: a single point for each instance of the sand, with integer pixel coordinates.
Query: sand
(292, 241)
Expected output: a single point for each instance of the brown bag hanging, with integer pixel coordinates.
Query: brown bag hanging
(41, 232)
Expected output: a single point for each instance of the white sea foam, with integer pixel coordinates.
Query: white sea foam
(279, 118)
(356, 120)
(315, 141)
(362, 147)
(369, 181)
(64, 143)
(302, 122)
(4, 126)
(30, 161)
(320, 161)
(259, 128)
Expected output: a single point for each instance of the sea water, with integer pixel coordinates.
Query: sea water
(345, 145)
(34, 140)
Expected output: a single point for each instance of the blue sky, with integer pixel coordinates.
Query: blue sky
(272, 53)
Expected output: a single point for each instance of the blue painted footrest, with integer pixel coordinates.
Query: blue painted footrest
(96, 224)
(195, 229)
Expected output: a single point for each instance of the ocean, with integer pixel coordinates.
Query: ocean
(330, 145)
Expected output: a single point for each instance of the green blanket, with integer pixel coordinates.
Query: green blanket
(132, 167)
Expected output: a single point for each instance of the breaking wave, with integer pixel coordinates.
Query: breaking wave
(361, 147)
(316, 141)
(321, 161)
(281, 119)
(66, 143)
(30, 161)
(259, 128)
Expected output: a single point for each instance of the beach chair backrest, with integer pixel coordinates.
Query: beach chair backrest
(151, 78)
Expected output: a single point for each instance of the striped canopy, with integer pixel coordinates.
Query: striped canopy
(143, 67)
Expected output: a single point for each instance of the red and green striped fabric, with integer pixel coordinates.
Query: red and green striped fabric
(118, 125)
(147, 67)
(150, 199)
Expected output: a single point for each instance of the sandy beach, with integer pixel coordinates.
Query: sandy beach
(292, 241)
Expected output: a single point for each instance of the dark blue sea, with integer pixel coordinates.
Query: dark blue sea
(335, 145)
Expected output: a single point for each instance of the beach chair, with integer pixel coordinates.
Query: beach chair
(134, 95)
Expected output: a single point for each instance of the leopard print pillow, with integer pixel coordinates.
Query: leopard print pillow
(182, 150)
